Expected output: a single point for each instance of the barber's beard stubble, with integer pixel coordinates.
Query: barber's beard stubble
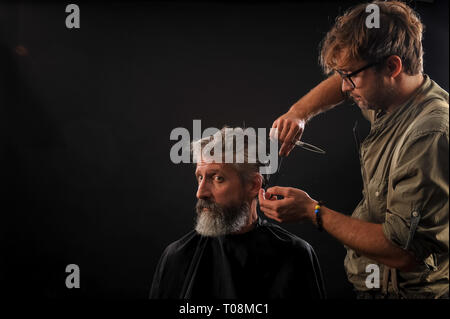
(217, 220)
(378, 99)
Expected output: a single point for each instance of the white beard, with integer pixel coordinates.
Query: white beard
(219, 221)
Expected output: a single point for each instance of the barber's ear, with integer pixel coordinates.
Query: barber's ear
(394, 65)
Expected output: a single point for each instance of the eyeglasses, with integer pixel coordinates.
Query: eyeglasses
(348, 77)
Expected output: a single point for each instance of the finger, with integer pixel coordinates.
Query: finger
(283, 126)
(271, 214)
(275, 123)
(299, 135)
(266, 203)
(288, 137)
(276, 131)
(269, 196)
(274, 218)
(289, 149)
(278, 190)
(284, 150)
(294, 135)
(294, 132)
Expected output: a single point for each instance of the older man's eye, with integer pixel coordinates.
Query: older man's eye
(199, 178)
(219, 179)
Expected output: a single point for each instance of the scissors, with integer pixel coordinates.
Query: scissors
(310, 147)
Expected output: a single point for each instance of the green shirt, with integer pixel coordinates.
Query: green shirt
(415, 184)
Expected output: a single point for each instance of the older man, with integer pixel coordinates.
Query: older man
(232, 253)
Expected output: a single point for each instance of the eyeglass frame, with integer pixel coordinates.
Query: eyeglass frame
(349, 76)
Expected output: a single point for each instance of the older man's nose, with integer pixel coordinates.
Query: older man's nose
(203, 191)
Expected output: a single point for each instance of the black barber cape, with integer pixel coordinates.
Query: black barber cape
(266, 262)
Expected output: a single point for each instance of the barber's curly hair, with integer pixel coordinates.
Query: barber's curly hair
(400, 33)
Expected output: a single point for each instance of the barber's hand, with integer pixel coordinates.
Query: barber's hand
(296, 205)
(290, 129)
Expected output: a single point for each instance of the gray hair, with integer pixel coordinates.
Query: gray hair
(243, 144)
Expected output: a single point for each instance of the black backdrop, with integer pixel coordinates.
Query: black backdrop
(86, 116)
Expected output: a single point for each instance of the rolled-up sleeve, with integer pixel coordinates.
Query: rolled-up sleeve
(418, 186)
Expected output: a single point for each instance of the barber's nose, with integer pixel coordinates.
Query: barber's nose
(203, 191)
(346, 86)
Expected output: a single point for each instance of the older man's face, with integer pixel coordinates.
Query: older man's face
(219, 182)
(223, 202)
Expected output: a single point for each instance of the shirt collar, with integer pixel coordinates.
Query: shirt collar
(383, 119)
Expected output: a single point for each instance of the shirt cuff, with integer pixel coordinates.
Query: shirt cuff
(397, 230)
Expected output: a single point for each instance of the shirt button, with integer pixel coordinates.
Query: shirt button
(415, 214)
(377, 193)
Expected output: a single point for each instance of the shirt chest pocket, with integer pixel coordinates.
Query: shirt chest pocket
(377, 199)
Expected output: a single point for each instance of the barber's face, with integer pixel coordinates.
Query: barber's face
(219, 183)
(371, 91)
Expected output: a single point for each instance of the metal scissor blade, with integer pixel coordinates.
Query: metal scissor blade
(310, 147)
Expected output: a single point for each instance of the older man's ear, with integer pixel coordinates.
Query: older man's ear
(256, 185)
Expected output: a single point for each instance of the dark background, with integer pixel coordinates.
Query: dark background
(86, 115)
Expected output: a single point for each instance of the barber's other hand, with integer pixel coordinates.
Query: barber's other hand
(296, 205)
(290, 129)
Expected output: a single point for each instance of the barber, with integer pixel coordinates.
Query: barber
(401, 224)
